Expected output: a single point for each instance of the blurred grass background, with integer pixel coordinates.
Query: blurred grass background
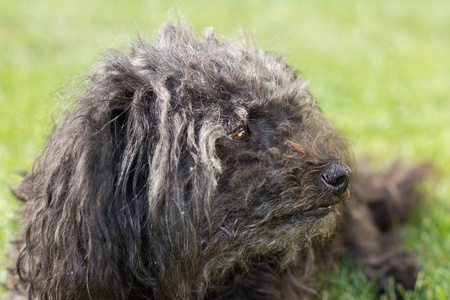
(379, 69)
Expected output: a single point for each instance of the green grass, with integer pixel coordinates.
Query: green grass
(379, 69)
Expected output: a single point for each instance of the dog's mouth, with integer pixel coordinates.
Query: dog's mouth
(316, 209)
(321, 211)
(325, 208)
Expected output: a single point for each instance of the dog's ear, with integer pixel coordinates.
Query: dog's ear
(87, 209)
(121, 187)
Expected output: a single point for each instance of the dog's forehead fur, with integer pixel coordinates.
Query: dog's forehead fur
(225, 76)
(218, 65)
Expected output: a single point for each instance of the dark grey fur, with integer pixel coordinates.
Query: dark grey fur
(142, 193)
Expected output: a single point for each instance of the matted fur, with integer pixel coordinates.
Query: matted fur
(142, 193)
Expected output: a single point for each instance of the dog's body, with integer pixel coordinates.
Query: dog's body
(200, 169)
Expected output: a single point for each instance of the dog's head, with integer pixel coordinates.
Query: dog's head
(183, 159)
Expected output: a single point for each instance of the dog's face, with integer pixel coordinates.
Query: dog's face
(282, 165)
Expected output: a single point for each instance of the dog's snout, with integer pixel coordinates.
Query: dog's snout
(336, 176)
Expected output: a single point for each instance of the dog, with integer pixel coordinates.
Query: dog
(202, 168)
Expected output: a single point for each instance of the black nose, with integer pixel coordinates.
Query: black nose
(335, 176)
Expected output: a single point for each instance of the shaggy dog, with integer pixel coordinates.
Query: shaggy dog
(198, 168)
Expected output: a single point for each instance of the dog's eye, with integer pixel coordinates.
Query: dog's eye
(241, 134)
